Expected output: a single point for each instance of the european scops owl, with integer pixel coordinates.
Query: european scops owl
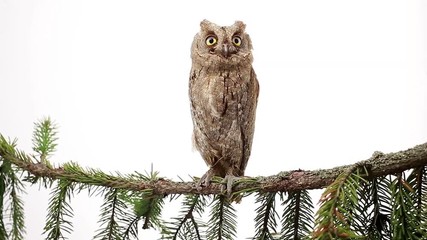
(223, 92)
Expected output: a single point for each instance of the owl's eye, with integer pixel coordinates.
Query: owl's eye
(211, 40)
(237, 41)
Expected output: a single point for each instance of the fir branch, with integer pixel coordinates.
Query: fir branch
(132, 228)
(423, 213)
(380, 224)
(3, 179)
(141, 203)
(16, 208)
(415, 180)
(222, 223)
(59, 211)
(10, 187)
(380, 165)
(146, 207)
(150, 206)
(405, 215)
(265, 220)
(344, 203)
(186, 226)
(335, 215)
(363, 212)
(111, 210)
(151, 210)
(44, 138)
(297, 217)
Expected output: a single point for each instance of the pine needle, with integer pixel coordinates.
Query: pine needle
(265, 220)
(222, 224)
(188, 224)
(60, 212)
(297, 218)
(44, 138)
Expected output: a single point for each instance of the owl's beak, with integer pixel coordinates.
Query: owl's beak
(225, 50)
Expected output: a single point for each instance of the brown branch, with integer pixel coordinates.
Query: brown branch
(378, 165)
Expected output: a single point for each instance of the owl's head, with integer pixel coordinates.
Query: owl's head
(222, 45)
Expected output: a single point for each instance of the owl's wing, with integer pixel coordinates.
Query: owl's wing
(248, 120)
(199, 114)
(194, 111)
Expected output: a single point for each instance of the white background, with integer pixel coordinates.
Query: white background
(339, 80)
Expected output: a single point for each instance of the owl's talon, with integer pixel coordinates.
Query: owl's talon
(228, 181)
(205, 180)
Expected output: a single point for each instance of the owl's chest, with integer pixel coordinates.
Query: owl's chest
(222, 94)
(223, 87)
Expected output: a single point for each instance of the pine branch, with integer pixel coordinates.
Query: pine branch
(380, 224)
(379, 165)
(297, 217)
(17, 209)
(423, 194)
(380, 202)
(405, 215)
(10, 187)
(112, 209)
(265, 220)
(58, 211)
(186, 226)
(146, 207)
(373, 209)
(44, 138)
(415, 179)
(3, 230)
(222, 223)
(335, 215)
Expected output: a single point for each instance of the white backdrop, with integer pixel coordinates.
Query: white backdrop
(339, 80)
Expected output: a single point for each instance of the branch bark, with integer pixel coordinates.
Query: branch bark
(379, 164)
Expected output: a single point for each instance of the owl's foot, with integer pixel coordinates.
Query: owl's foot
(205, 180)
(229, 181)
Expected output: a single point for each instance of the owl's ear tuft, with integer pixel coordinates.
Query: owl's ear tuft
(249, 41)
(205, 24)
(240, 25)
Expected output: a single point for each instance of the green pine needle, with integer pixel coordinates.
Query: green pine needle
(44, 138)
(146, 206)
(222, 224)
(150, 206)
(60, 212)
(4, 169)
(150, 209)
(297, 218)
(381, 200)
(7, 146)
(111, 211)
(405, 217)
(187, 225)
(265, 220)
(423, 193)
(16, 208)
(10, 188)
(338, 201)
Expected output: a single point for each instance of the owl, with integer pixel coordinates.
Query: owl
(223, 90)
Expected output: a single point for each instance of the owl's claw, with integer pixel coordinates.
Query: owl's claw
(205, 180)
(228, 181)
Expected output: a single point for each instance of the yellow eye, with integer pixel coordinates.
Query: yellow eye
(211, 40)
(237, 41)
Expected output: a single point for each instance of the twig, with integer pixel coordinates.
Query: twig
(378, 165)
